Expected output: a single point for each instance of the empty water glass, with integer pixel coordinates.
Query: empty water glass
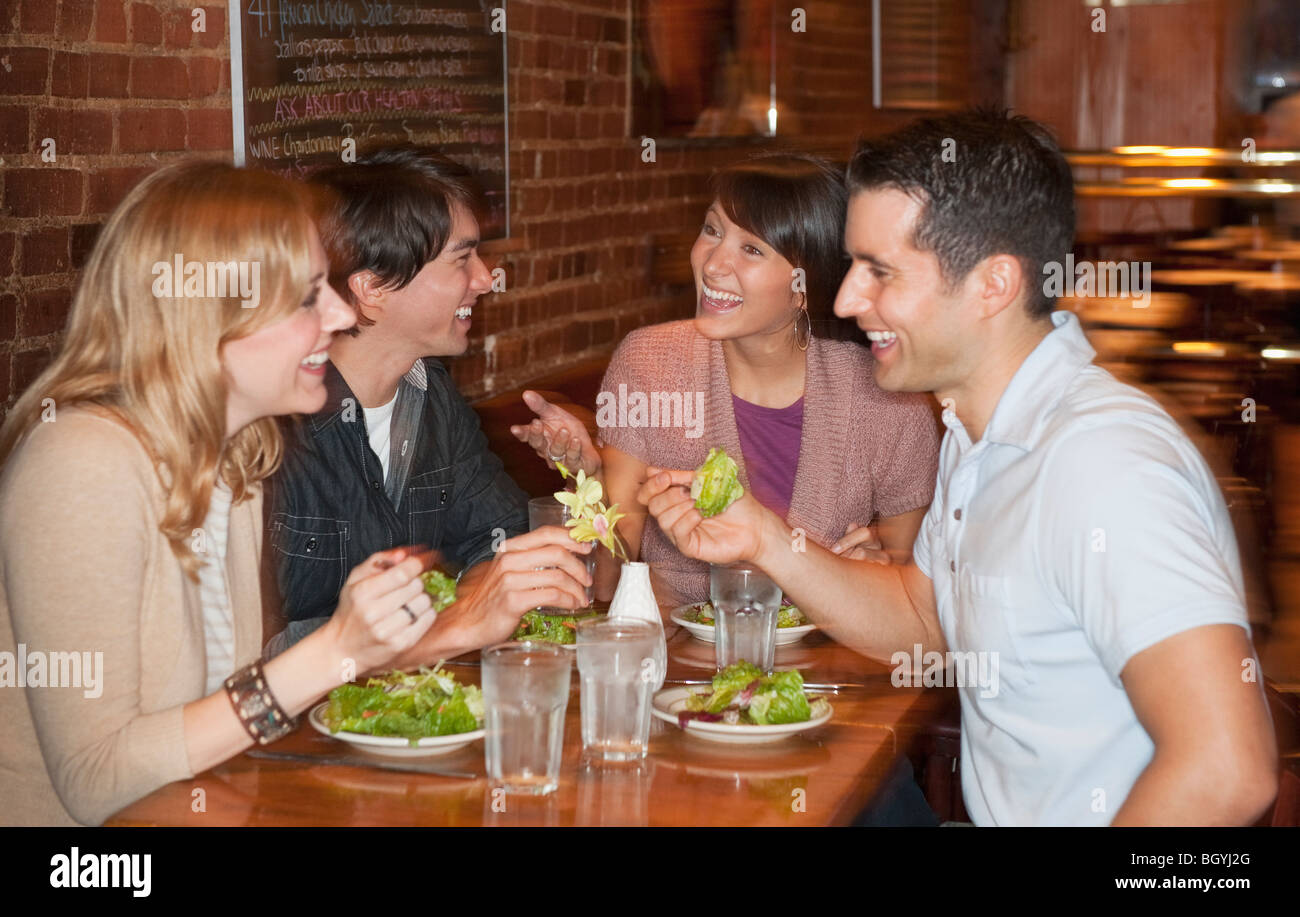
(525, 695)
(618, 673)
(550, 511)
(745, 606)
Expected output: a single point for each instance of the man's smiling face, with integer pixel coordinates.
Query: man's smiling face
(921, 337)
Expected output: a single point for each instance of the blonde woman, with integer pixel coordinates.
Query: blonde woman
(130, 505)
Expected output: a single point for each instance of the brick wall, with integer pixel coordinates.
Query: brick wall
(122, 87)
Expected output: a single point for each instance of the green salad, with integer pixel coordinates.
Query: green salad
(743, 695)
(415, 705)
(546, 628)
(786, 616)
(716, 484)
(441, 588)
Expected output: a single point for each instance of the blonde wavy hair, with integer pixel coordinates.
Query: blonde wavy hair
(155, 362)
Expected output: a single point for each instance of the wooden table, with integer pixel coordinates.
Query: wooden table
(823, 777)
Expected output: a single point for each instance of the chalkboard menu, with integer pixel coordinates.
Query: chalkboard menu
(325, 81)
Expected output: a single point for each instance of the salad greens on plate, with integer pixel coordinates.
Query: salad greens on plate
(414, 705)
(716, 484)
(743, 695)
(786, 616)
(544, 628)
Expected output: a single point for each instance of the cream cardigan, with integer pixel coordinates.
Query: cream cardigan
(83, 567)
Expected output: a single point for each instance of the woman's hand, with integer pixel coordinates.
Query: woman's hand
(383, 609)
(558, 435)
(862, 542)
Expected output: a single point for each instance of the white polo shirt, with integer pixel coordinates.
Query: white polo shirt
(1083, 528)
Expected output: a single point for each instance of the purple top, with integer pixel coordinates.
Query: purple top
(769, 440)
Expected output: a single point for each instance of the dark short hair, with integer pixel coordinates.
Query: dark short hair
(796, 204)
(989, 183)
(389, 213)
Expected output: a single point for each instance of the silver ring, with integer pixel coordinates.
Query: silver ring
(409, 612)
(555, 458)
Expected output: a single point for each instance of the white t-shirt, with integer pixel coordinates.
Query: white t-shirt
(214, 596)
(379, 425)
(1082, 529)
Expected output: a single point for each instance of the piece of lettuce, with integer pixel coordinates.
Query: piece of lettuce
(716, 484)
(545, 628)
(742, 692)
(441, 589)
(413, 705)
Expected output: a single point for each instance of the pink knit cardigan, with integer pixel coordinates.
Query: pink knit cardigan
(864, 452)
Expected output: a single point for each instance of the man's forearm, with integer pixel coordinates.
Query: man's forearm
(865, 606)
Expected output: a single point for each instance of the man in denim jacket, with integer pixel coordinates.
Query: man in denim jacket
(396, 456)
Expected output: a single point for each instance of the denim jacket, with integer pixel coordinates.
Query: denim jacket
(328, 507)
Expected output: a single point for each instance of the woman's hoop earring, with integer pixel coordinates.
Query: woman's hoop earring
(807, 335)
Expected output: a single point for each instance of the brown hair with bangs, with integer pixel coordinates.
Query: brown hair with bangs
(795, 203)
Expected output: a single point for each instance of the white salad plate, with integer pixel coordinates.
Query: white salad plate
(706, 632)
(393, 746)
(672, 701)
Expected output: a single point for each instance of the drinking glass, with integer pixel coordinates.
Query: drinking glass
(525, 693)
(550, 511)
(618, 673)
(745, 605)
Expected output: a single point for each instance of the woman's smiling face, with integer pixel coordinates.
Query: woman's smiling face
(743, 285)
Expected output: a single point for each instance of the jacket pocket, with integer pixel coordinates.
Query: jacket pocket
(311, 557)
(428, 497)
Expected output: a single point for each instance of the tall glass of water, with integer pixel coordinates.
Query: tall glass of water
(550, 511)
(745, 606)
(618, 672)
(525, 694)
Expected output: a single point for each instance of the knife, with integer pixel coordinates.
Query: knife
(830, 689)
(415, 767)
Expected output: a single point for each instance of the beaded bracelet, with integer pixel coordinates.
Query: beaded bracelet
(256, 706)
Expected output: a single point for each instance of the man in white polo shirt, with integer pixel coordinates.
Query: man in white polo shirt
(1077, 544)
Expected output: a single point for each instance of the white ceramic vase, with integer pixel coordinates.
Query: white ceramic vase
(634, 598)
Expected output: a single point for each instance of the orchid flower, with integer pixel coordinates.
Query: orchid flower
(589, 518)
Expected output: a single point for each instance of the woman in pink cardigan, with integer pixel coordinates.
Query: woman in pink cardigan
(815, 439)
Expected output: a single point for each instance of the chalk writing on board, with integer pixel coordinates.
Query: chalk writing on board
(320, 73)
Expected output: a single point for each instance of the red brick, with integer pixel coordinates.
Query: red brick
(150, 130)
(26, 70)
(45, 251)
(146, 25)
(109, 186)
(14, 121)
(110, 22)
(8, 242)
(8, 319)
(45, 312)
(75, 130)
(206, 76)
(70, 75)
(110, 75)
(82, 241)
(159, 78)
(27, 366)
(209, 129)
(37, 16)
(74, 19)
(5, 360)
(214, 31)
(176, 28)
(43, 192)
